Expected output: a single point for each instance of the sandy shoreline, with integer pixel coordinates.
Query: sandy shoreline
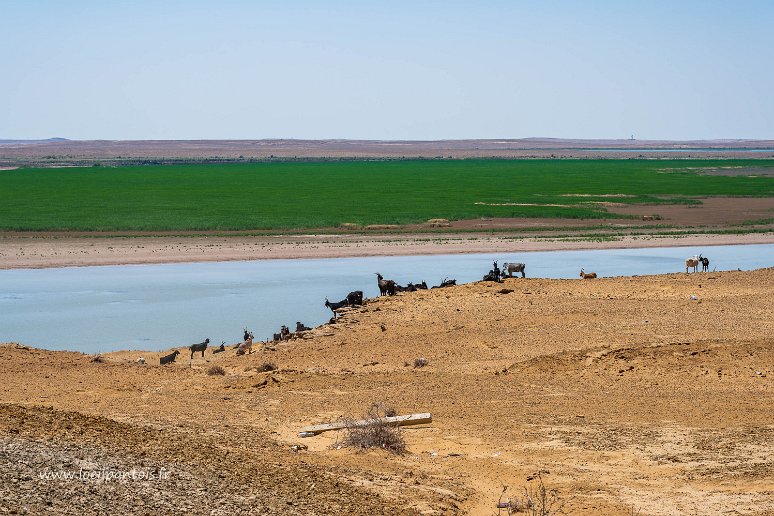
(649, 395)
(25, 252)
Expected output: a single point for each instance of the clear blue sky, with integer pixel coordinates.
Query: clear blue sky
(396, 70)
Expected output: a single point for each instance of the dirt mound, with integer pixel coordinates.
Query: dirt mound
(125, 468)
(627, 394)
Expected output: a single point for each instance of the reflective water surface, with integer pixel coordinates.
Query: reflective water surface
(99, 309)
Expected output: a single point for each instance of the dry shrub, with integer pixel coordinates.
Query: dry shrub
(216, 370)
(98, 359)
(420, 362)
(375, 433)
(266, 367)
(536, 501)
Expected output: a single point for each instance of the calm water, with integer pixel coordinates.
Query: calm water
(99, 309)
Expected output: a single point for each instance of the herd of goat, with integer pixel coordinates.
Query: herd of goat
(388, 287)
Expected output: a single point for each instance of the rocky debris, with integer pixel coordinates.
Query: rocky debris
(66, 463)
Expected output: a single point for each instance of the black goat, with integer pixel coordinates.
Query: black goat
(704, 264)
(168, 359)
(446, 283)
(195, 348)
(221, 349)
(355, 298)
(284, 333)
(492, 276)
(411, 287)
(386, 287)
(302, 327)
(335, 306)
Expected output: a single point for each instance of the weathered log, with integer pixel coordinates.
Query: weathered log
(409, 419)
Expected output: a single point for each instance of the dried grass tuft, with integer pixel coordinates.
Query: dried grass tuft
(216, 370)
(375, 433)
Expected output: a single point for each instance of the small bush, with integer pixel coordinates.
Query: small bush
(537, 501)
(266, 367)
(98, 359)
(420, 362)
(216, 370)
(375, 433)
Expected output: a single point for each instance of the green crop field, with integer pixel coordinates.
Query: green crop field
(293, 195)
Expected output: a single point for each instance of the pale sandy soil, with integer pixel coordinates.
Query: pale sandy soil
(68, 152)
(631, 397)
(713, 211)
(27, 252)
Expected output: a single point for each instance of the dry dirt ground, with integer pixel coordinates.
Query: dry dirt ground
(69, 152)
(712, 212)
(630, 396)
(42, 252)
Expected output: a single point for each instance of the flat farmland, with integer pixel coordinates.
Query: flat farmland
(294, 195)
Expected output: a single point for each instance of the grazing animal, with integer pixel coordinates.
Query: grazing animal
(692, 262)
(588, 275)
(195, 348)
(413, 287)
(284, 333)
(495, 271)
(335, 306)
(510, 268)
(491, 276)
(141, 360)
(446, 283)
(168, 359)
(705, 264)
(277, 337)
(221, 349)
(386, 287)
(302, 327)
(355, 298)
(247, 345)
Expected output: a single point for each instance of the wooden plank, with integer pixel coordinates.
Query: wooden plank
(409, 419)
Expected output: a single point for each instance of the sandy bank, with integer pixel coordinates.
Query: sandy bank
(630, 396)
(25, 252)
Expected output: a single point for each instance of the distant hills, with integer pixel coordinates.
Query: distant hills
(32, 142)
(64, 152)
